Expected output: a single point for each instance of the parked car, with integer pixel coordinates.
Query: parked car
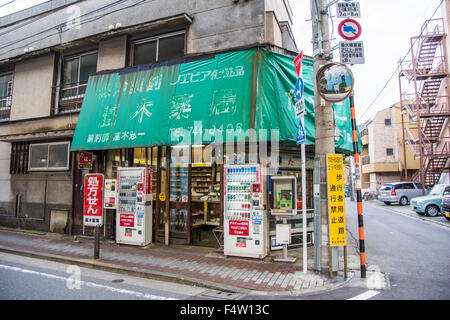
(431, 204)
(446, 204)
(400, 192)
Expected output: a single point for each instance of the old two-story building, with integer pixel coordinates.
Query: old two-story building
(47, 54)
(222, 65)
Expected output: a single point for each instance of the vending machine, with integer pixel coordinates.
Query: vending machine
(245, 218)
(134, 218)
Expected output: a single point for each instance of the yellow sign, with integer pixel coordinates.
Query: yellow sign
(336, 202)
(162, 196)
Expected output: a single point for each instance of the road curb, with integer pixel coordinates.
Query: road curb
(182, 279)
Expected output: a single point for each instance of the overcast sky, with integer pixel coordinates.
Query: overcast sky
(387, 26)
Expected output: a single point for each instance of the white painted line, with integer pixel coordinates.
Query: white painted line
(88, 284)
(366, 295)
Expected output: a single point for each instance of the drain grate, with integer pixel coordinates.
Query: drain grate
(221, 295)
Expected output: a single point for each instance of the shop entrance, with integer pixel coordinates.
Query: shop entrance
(192, 192)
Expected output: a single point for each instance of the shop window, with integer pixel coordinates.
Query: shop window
(74, 79)
(6, 86)
(49, 156)
(158, 49)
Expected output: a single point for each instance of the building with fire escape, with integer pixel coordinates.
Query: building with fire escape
(425, 98)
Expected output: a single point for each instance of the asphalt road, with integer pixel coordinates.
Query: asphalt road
(410, 251)
(23, 278)
(413, 251)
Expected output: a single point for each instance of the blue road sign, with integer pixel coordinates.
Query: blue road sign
(301, 137)
(299, 89)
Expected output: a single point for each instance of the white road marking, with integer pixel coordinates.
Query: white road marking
(88, 284)
(366, 295)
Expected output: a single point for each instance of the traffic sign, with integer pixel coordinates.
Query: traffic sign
(351, 52)
(349, 29)
(299, 108)
(298, 63)
(301, 137)
(348, 10)
(299, 89)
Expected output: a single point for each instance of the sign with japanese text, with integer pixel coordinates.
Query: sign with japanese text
(351, 52)
(298, 63)
(239, 228)
(85, 160)
(348, 10)
(93, 200)
(336, 205)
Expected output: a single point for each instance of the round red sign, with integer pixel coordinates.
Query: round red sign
(349, 29)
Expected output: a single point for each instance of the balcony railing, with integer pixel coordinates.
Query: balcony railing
(5, 108)
(70, 97)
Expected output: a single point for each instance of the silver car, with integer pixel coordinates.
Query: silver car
(400, 192)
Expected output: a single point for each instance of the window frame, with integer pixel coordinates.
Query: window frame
(387, 153)
(157, 38)
(8, 96)
(48, 144)
(71, 86)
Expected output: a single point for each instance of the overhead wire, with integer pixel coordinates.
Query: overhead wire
(60, 25)
(396, 70)
(5, 4)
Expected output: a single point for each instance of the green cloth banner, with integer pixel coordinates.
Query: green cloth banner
(226, 96)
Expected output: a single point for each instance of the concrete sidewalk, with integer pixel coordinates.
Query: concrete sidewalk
(192, 265)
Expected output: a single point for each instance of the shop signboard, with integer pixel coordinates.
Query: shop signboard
(336, 202)
(131, 108)
(85, 160)
(93, 200)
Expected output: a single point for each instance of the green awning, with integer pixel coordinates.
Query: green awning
(200, 102)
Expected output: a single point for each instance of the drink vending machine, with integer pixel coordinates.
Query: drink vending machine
(134, 218)
(245, 219)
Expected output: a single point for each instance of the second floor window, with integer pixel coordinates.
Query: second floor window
(157, 49)
(75, 75)
(6, 86)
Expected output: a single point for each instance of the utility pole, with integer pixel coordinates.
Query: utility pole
(324, 125)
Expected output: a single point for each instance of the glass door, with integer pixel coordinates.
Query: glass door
(179, 195)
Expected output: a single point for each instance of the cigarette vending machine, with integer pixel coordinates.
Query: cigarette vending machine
(245, 219)
(134, 206)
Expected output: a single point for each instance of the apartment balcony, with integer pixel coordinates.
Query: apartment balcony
(382, 167)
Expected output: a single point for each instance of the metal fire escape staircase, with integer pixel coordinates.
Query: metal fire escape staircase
(428, 71)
